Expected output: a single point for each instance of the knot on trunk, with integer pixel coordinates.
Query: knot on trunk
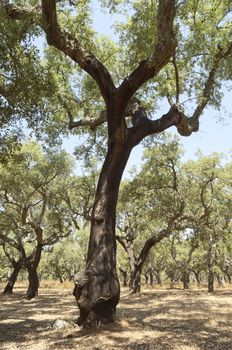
(80, 279)
(185, 126)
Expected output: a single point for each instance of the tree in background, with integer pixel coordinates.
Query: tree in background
(182, 252)
(150, 206)
(59, 262)
(209, 205)
(32, 213)
(155, 58)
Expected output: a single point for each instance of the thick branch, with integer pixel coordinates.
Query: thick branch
(94, 123)
(164, 50)
(158, 237)
(71, 47)
(143, 126)
(64, 41)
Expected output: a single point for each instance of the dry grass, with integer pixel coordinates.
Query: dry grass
(158, 319)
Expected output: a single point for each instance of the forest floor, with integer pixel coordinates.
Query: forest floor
(158, 319)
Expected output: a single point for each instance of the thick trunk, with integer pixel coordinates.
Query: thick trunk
(13, 277)
(97, 289)
(33, 286)
(135, 281)
(185, 279)
(210, 281)
(33, 278)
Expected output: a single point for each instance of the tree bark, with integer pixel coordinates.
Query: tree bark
(158, 277)
(149, 275)
(33, 278)
(185, 279)
(197, 276)
(135, 281)
(124, 276)
(33, 286)
(229, 277)
(211, 258)
(97, 289)
(13, 277)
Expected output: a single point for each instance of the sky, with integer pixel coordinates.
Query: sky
(214, 134)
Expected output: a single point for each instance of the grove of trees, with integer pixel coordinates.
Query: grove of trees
(109, 95)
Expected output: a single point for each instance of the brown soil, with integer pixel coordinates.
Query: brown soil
(157, 319)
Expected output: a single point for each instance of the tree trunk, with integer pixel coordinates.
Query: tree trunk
(97, 289)
(158, 278)
(33, 278)
(61, 279)
(185, 279)
(197, 276)
(229, 277)
(211, 258)
(33, 286)
(135, 281)
(124, 276)
(13, 277)
(210, 281)
(151, 275)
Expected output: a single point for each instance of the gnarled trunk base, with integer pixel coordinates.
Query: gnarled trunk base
(97, 297)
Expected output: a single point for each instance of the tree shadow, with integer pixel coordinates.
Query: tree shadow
(159, 320)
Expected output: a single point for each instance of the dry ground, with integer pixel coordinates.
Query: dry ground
(158, 319)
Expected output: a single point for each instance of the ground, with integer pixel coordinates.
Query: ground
(159, 319)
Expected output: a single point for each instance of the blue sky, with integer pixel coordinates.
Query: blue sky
(214, 135)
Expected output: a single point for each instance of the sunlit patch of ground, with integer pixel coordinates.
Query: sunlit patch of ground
(159, 319)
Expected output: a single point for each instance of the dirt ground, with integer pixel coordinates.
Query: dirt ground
(159, 319)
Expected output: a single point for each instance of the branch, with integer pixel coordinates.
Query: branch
(42, 185)
(9, 200)
(43, 209)
(63, 41)
(122, 242)
(161, 235)
(94, 123)
(4, 93)
(18, 13)
(71, 47)
(209, 84)
(10, 258)
(150, 242)
(9, 241)
(53, 239)
(143, 126)
(177, 79)
(164, 50)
